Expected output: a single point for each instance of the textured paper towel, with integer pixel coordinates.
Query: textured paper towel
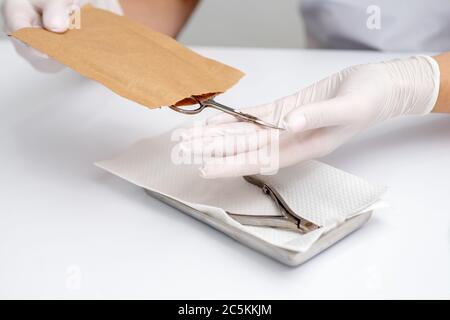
(133, 60)
(320, 192)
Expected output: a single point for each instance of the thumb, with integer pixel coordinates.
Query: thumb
(327, 113)
(56, 14)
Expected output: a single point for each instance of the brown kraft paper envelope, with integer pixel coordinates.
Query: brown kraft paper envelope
(132, 60)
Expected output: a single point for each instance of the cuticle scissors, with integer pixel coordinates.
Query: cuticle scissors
(288, 219)
(210, 103)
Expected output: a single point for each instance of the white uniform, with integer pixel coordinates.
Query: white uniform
(388, 25)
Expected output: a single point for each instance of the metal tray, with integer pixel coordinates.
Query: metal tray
(288, 257)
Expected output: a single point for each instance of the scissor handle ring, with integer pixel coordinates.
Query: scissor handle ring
(193, 111)
(185, 111)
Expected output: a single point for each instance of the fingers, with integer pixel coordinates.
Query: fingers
(269, 159)
(19, 14)
(233, 128)
(272, 112)
(55, 15)
(52, 14)
(266, 160)
(226, 139)
(224, 147)
(31, 13)
(230, 144)
(308, 145)
(332, 112)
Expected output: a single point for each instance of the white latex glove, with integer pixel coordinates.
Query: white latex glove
(319, 118)
(52, 15)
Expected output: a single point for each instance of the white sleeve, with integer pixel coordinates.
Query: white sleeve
(110, 5)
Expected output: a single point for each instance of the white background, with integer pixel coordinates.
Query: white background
(63, 220)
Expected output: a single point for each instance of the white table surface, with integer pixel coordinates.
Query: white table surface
(70, 230)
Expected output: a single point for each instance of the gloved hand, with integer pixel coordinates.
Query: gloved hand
(319, 118)
(52, 15)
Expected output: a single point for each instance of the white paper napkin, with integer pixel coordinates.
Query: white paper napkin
(321, 193)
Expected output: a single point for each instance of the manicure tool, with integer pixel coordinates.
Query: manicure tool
(210, 103)
(288, 219)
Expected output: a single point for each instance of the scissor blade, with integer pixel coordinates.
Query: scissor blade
(240, 115)
(278, 222)
(250, 118)
(266, 124)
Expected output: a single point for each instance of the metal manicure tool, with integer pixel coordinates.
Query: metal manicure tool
(210, 103)
(288, 219)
